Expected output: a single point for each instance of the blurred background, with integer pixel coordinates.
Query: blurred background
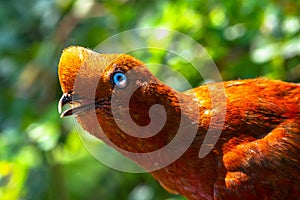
(41, 155)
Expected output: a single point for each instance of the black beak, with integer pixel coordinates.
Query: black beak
(78, 105)
(66, 98)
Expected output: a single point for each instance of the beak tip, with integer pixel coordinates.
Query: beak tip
(65, 99)
(67, 113)
(60, 103)
(63, 115)
(59, 108)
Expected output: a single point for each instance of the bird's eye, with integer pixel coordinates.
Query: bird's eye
(119, 79)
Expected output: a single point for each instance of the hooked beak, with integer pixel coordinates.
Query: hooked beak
(78, 105)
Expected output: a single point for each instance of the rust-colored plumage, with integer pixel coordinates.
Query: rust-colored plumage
(256, 157)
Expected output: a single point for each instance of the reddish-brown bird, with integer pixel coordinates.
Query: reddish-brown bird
(257, 155)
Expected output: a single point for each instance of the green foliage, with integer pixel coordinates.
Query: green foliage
(41, 156)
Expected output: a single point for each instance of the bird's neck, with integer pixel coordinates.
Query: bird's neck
(177, 119)
(160, 113)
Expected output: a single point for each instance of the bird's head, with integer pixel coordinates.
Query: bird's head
(89, 78)
(120, 91)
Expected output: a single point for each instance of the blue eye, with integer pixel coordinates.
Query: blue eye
(119, 79)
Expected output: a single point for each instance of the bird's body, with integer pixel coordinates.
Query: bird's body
(257, 155)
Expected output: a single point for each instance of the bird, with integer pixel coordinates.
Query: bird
(255, 156)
